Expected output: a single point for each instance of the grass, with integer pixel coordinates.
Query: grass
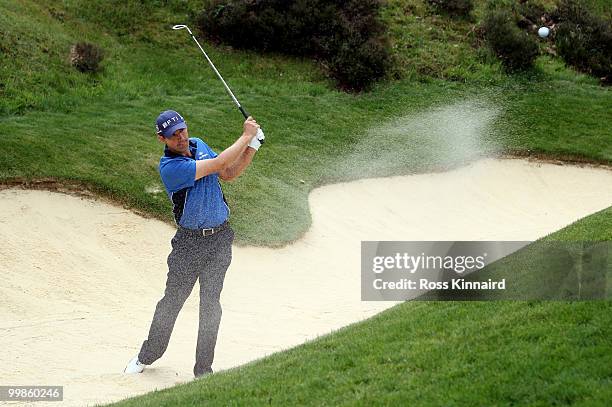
(570, 264)
(538, 353)
(541, 118)
(449, 103)
(97, 130)
(429, 354)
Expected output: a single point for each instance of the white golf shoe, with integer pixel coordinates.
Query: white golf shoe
(134, 366)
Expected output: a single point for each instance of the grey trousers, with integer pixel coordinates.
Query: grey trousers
(193, 256)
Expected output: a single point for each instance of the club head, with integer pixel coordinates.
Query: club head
(180, 27)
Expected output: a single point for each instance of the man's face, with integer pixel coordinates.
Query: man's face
(178, 143)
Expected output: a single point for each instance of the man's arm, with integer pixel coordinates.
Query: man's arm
(238, 166)
(228, 156)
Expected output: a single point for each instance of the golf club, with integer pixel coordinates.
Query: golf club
(242, 109)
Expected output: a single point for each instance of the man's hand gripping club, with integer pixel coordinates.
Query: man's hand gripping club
(228, 157)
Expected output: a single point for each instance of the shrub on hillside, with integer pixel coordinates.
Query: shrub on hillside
(531, 9)
(530, 13)
(86, 57)
(516, 49)
(584, 40)
(355, 66)
(461, 8)
(346, 35)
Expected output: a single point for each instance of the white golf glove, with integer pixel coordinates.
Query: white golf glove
(258, 140)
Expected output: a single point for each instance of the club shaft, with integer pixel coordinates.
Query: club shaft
(229, 91)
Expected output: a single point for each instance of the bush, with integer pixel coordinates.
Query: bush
(584, 40)
(461, 8)
(356, 66)
(516, 49)
(86, 57)
(345, 35)
(530, 13)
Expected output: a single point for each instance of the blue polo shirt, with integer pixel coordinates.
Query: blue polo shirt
(196, 204)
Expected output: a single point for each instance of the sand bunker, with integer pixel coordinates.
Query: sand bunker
(80, 278)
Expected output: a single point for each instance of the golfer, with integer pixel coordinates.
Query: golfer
(202, 245)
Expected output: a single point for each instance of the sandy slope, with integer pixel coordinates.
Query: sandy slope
(80, 278)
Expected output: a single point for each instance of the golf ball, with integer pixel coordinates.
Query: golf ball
(543, 32)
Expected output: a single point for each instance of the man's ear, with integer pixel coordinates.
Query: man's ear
(161, 138)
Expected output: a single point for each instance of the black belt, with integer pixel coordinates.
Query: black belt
(206, 231)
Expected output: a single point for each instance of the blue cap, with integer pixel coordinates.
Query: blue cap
(168, 122)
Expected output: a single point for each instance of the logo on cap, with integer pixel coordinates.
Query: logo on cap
(168, 122)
